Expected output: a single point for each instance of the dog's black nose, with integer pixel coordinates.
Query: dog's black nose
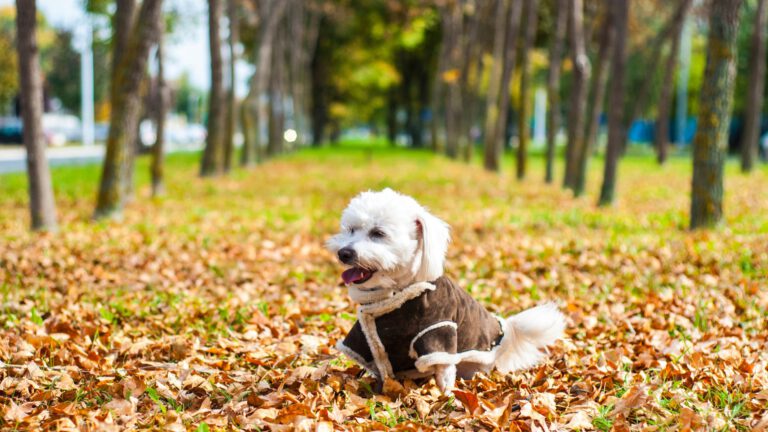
(347, 255)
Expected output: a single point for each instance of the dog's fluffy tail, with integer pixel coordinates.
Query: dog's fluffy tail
(525, 334)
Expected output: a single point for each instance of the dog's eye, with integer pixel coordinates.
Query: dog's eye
(351, 230)
(376, 234)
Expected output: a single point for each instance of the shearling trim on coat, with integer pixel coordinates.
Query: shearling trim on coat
(393, 302)
(412, 352)
(368, 324)
(349, 352)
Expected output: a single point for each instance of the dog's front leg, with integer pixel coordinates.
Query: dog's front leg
(445, 376)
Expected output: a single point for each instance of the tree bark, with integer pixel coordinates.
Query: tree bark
(616, 122)
(581, 71)
(230, 123)
(212, 163)
(126, 108)
(599, 83)
(751, 136)
(553, 86)
(123, 22)
(711, 142)
(498, 95)
(156, 167)
(530, 14)
(41, 201)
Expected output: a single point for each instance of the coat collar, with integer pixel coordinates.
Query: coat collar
(380, 302)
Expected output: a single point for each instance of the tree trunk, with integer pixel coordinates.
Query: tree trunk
(711, 142)
(451, 77)
(156, 167)
(277, 112)
(472, 62)
(126, 108)
(230, 123)
(553, 86)
(525, 106)
(661, 137)
(41, 202)
(616, 122)
(581, 71)
(123, 22)
(272, 14)
(599, 83)
(751, 136)
(440, 94)
(212, 163)
(491, 154)
(498, 95)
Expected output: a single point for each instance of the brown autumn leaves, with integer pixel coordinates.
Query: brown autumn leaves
(219, 312)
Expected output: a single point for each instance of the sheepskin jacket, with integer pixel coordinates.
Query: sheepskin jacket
(423, 325)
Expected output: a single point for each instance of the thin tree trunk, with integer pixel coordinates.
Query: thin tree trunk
(599, 85)
(271, 15)
(41, 202)
(498, 99)
(452, 78)
(661, 137)
(212, 163)
(277, 113)
(230, 123)
(126, 108)
(753, 114)
(711, 142)
(616, 122)
(530, 13)
(553, 86)
(156, 167)
(491, 154)
(581, 71)
(472, 52)
(440, 94)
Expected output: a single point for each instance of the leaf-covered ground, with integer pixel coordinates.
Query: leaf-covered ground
(217, 307)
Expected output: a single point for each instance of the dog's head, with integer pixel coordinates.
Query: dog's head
(389, 241)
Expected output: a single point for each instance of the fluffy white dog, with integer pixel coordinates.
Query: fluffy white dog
(412, 320)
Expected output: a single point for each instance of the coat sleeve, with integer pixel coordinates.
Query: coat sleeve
(435, 345)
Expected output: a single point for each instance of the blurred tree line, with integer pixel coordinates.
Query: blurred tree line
(455, 76)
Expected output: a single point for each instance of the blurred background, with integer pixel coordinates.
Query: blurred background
(249, 79)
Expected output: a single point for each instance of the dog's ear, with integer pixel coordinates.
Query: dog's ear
(434, 237)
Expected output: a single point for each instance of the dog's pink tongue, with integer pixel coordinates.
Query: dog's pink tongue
(352, 275)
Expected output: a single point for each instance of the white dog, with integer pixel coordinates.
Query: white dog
(412, 320)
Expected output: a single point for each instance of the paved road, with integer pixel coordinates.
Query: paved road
(14, 159)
